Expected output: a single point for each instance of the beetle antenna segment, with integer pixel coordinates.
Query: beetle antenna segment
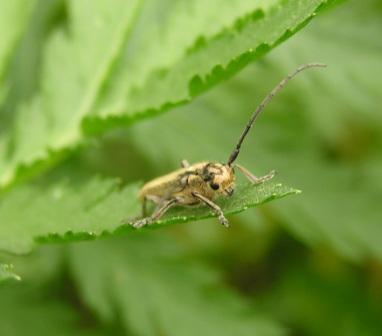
(264, 103)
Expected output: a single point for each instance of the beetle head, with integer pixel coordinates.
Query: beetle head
(220, 178)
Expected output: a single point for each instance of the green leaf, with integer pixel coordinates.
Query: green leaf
(29, 310)
(349, 88)
(40, 267)
(188, 65)
(317, 304)
(24, 72)
(246, 196)
(6, 273)
(22, 77)
(104, 67)
(157, 291)
(63, 211)
(13, 14)
(85, 210)
(76, 66)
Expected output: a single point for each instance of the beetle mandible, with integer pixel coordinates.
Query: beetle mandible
(203, 182)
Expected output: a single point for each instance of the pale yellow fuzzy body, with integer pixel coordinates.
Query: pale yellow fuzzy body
(183, 183)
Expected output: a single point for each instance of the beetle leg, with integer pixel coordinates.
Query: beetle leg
(158, 213)
(184, 164)
(144, 207)
(147, 198)
(254, 179)
(215, 207)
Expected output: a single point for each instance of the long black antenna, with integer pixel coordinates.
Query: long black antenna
(264, 103)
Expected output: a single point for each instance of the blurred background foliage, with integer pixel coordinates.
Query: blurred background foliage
(306, 265)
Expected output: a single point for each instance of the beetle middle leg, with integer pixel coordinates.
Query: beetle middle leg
(158, 213)
(215, 207)
(147, 198)
(254, 179)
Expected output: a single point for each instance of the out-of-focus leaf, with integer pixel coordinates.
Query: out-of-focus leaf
(77, 63)
(343, 183)
(27, 310)
(6, 273)
(109, 50)
(39, 267)
(24, 71)
(156, 291)
(13, 16)
(352, 51)
(314, 304)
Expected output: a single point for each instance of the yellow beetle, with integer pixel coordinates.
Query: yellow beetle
(204, 181)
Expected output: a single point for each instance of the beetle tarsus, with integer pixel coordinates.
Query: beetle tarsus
(158, 213)
(218, 211)
(224, 221)
(265, 178)
(141, 222)
(254, 179)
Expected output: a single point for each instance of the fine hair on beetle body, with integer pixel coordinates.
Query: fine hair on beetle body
(203, 182)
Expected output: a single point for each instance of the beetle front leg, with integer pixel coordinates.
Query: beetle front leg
(215, 207)
(254, 179)
(158, 213)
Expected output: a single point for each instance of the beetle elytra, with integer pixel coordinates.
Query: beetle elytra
(203, 182)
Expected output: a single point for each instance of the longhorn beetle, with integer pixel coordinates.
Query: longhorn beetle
(202, 182)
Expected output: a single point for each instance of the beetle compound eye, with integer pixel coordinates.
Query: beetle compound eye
(207, 177)
(214, 186)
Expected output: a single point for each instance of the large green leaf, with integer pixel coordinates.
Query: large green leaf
(157, 291)
(86, 210)
(187, 65)
(63, 211)
(102, 64)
